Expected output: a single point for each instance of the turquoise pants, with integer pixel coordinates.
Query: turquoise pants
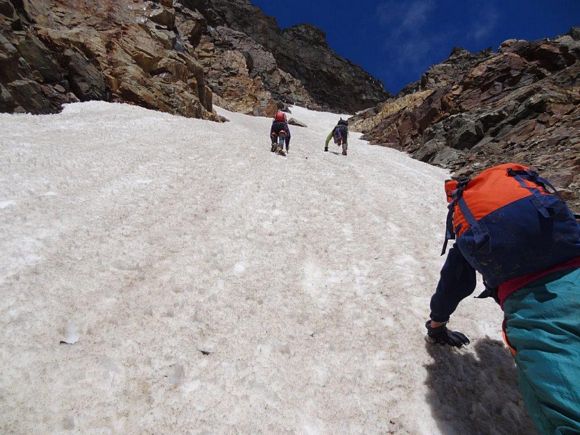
(543, 325)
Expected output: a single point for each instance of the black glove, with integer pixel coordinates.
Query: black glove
(442, 335)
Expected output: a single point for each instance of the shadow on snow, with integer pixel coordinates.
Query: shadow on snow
(476, 393)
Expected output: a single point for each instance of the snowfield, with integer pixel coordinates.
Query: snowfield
(206, 285)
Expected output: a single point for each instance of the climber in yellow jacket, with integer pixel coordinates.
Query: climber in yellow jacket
(340, 135)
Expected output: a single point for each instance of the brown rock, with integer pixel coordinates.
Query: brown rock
(177, 69)
(520, 104)
(301, 52)
(163, 16)
(118, 51)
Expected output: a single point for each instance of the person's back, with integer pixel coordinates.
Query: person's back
(340, 135)
(513, 229)
(341, 132)
(508, 224)
(280, 128)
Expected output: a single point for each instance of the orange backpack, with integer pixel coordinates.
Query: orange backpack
(509, 222)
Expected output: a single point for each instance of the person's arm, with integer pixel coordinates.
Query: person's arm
(457, 281)
(328, 138)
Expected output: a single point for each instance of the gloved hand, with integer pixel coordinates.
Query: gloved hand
(442, 335)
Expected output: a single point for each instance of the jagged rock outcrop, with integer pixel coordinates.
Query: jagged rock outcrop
(305, 70)
(244, 76)
(449, 72)
(171, 56)
(141, 52)
(519, 104)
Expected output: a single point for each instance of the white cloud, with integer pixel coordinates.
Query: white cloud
(484, 23)
(407, 16)
(407, 38)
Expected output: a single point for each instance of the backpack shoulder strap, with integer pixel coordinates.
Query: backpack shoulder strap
(456, 195)
(538, 199)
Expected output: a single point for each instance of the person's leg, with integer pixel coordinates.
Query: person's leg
(274, 140)
(287, 143)
(344, 147)
(280, 145)
(543, 325)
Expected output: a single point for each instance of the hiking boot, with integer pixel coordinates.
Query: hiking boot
(344, 153)
(326, 149)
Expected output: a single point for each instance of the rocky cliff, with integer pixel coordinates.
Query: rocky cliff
(326, 80)
(172, 56)
(475, 110)
(59, 51)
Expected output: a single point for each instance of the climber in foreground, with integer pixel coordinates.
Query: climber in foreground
(280, 134)
(512, 227)
(340, 135)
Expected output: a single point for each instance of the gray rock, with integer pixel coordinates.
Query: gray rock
(28, 95)
(86, 80)
(447, 157)
(489, 120)
(429, 150)
(7, 9)
(7, 103)
(9, 61)
(464, 132)
(39, 57)
(293, 121)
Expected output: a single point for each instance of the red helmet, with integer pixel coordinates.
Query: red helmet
(280, 116)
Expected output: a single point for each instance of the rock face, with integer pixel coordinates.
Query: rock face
(474, 110)
(294, 66)
(449, 72)
(172, 56)
(244, 76)
(59, 51)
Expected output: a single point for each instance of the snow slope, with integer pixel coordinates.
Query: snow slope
(210, 286)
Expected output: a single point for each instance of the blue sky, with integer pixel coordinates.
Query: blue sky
(397, 40)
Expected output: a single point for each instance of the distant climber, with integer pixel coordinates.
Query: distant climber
(512, 227)
(340, 135)
(279, 131)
